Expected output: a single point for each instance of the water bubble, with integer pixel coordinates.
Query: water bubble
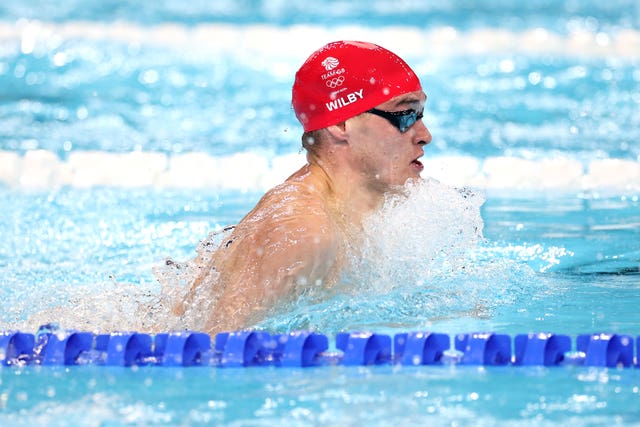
(507, 66)
(149, 77)
(60, 59)
(591, 23)
(535, 78)
(82, 113)
(19, 71)
(51, 392)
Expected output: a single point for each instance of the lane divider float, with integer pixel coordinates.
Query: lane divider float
(54, 346)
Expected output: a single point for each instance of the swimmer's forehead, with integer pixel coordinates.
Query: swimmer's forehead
(408, 100)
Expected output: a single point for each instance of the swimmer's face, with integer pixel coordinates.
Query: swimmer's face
(385, 154)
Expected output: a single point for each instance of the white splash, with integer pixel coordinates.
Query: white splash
(419, 235)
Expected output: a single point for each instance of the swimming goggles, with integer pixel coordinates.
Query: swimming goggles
(403, 120)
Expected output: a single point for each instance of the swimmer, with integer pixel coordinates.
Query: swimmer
(360, 106)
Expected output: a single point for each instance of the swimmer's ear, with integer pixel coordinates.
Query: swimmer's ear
(338, 132)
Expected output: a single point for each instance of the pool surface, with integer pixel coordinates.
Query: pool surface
(129, 133)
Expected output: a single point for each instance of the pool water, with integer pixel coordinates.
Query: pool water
(127, 134)
(339, 395)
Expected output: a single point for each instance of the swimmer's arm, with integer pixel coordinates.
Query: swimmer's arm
(270, 268)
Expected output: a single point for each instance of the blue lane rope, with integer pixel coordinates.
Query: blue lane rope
(54, 346)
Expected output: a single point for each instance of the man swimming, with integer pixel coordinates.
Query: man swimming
(361, 108)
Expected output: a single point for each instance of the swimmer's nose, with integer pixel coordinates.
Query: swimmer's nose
(422, 135)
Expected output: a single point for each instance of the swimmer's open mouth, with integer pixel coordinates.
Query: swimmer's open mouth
(417, 164)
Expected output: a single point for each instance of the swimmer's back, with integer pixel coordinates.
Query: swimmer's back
(287, 242)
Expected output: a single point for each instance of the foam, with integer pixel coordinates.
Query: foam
(267, 41)
(251, 171)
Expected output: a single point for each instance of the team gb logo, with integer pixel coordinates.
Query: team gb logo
(330, 63)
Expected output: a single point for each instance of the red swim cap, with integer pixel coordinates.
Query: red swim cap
(347, 78)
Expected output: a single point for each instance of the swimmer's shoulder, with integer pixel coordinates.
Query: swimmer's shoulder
(293, 207)
(294, 197)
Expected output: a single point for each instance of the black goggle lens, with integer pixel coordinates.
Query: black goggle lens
(403, 120)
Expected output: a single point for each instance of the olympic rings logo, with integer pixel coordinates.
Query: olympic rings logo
(335, 82)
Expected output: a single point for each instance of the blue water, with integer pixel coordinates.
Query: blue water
(343, 396)
(551, 14)
(200, 93)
